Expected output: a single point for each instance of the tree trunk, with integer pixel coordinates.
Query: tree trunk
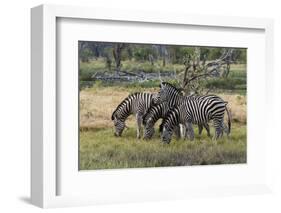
(117, 51)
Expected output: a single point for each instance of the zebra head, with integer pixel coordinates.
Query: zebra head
(168, 93)
(119, 126)
(148, 129)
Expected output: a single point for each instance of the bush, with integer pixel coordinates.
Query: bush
(85, 55)
(226, 83)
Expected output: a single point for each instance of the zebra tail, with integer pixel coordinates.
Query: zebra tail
(229, 119)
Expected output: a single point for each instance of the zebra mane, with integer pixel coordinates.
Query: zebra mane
(172, 86)
(122, 103)
(145, 116)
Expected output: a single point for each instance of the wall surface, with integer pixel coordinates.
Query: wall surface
(15, 105)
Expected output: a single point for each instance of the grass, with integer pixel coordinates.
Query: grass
(98, 103)
(99, 65)
(99, 149)
(235, 82)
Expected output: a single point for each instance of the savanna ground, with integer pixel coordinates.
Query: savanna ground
(100, 149)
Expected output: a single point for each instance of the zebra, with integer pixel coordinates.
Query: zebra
(153, 114)
(136, 104)
(194, 111)
(157, 112)
(174, 97)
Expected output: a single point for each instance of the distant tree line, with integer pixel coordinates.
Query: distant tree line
(146, 52)
(199, 62)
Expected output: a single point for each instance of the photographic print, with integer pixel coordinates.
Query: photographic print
(156, 105)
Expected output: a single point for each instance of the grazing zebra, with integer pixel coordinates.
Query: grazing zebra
(136, 104)
(174, 97)
(194, 111)
(153, 114)
(157, 112)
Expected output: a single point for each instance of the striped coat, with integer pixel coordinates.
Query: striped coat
(153, 114)
(174, 97)
(136, 104)
(196, 110)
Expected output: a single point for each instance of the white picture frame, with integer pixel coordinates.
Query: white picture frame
(44, 150)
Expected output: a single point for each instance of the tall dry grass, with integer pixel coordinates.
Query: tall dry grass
(97, 105)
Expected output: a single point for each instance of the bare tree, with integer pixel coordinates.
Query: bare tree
(197, 69)
(151, 59)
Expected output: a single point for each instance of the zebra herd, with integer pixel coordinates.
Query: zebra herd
(175, 109)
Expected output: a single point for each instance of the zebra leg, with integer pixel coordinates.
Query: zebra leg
(200, 128)
(186, 133)
(139, 121)
(177, 132)
(218, 124)
(182, 131)
(222, 128)
(190, 131)
(207, 127)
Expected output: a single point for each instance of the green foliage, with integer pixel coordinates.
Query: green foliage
(140, 58)
(87, 69)
(241, 56)
(205, 52)
(130, 87)
(178, 53)
(99, 149)
(214, 53)
(142, 53)
(236, 81)
(226, 83)
(85, 55)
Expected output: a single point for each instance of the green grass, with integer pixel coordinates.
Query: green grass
(99, 149)
(99, 65)
(87, 69)
(235, 82)
(125, 87)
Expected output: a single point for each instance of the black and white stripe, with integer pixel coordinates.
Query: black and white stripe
(136, 104)
(196, 110)
(174, 97)
(153, 114)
